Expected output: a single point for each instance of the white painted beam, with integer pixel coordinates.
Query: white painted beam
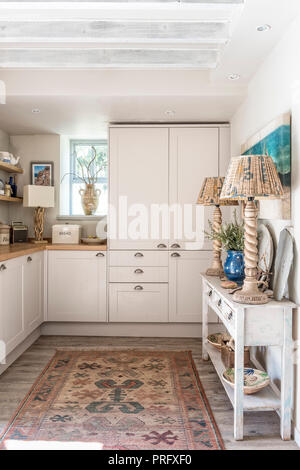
(185, 32)
(109, 58)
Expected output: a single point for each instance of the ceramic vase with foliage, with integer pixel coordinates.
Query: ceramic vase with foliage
(231, 235)
(89, 199)
(87, 170)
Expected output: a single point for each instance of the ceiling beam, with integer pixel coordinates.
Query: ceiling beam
(185, 32)
(109, 58)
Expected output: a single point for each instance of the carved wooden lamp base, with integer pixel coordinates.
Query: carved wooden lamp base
(216, 268)
(250, 294)
(39, 213)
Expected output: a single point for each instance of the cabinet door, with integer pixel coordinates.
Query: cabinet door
(11, 302)
(193, 156)
(138, 303)
(33, 286)
(138, 179)
(76, 286)
(185, 287)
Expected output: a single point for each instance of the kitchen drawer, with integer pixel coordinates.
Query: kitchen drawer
(138, 258)
(138, 274)
(139, 303)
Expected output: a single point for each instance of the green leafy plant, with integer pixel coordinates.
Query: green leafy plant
(231, 235)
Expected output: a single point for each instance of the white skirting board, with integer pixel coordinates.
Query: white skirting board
(13, 356)
(160, 330)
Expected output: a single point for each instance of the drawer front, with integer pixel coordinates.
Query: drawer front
(138, 274)
(138, 258)
(225, 312)
(139, 303)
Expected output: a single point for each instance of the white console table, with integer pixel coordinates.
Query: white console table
(251, 325)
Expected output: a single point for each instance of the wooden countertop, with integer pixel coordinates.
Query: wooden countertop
(23, 249)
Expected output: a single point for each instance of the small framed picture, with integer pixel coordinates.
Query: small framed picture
(42, 173)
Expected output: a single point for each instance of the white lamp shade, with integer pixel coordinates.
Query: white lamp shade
(38, 196)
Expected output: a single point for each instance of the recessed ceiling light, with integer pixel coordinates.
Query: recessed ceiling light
(35, 111)
(264, 27)
(170, 113)
(234, 76)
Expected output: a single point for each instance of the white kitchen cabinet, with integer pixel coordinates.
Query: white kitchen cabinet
(185, 288)
(12, 328)
(194, 155)
(138, 178)
(138, 303)
(77, 286)
(33, 290)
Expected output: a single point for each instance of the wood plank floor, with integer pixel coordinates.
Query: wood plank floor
(261, 429)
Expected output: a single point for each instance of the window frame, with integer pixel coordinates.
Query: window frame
(72, 179)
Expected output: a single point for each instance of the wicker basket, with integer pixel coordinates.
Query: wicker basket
(227, 356)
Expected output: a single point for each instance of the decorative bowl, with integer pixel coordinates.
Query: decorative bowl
(93, 241)
(254, 380)
(217, 339)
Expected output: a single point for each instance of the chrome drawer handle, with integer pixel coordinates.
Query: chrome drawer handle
(100, 254)
(139, 271)
(161, 245)
(138, 288)
(139, 255)
(175, 255)
(220, 303)
(29, 259)
(175, 245)
(3, 267)
(230, 316)
(210, 293)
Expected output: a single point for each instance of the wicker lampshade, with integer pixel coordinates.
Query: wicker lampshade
(210, 193)
(252, 176)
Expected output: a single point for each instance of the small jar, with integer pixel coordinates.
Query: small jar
(4, 234)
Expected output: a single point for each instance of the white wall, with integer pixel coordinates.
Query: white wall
(4, 147)
(273, 90)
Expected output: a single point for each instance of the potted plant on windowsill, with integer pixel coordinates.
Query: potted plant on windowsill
(231, 235)
(89, 170)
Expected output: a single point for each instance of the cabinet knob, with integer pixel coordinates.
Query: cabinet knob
(100, 254)
(29, 259)
(220, 303)
(3, 267)
(175, 245)
(175, 255)
(139, 271)
(139, 255)
(210, 293)
(138, 288)
(230, 316)
(161, 245)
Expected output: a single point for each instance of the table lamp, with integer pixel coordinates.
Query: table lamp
(251, 177)
(39, 197)
(210, 196)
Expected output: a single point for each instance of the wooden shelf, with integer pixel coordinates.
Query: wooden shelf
(11, 199)
(8, 168)
(265, 400)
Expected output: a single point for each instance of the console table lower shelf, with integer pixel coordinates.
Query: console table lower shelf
(253, 326)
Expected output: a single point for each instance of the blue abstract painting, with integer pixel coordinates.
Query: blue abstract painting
(275, 140)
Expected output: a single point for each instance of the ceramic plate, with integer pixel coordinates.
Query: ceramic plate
(254, 380)
(283, 264)
(217, 338)
(265, 248)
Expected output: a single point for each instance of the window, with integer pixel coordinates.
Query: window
(81, 153)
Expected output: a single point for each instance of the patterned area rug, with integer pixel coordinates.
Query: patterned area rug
(126, 400)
